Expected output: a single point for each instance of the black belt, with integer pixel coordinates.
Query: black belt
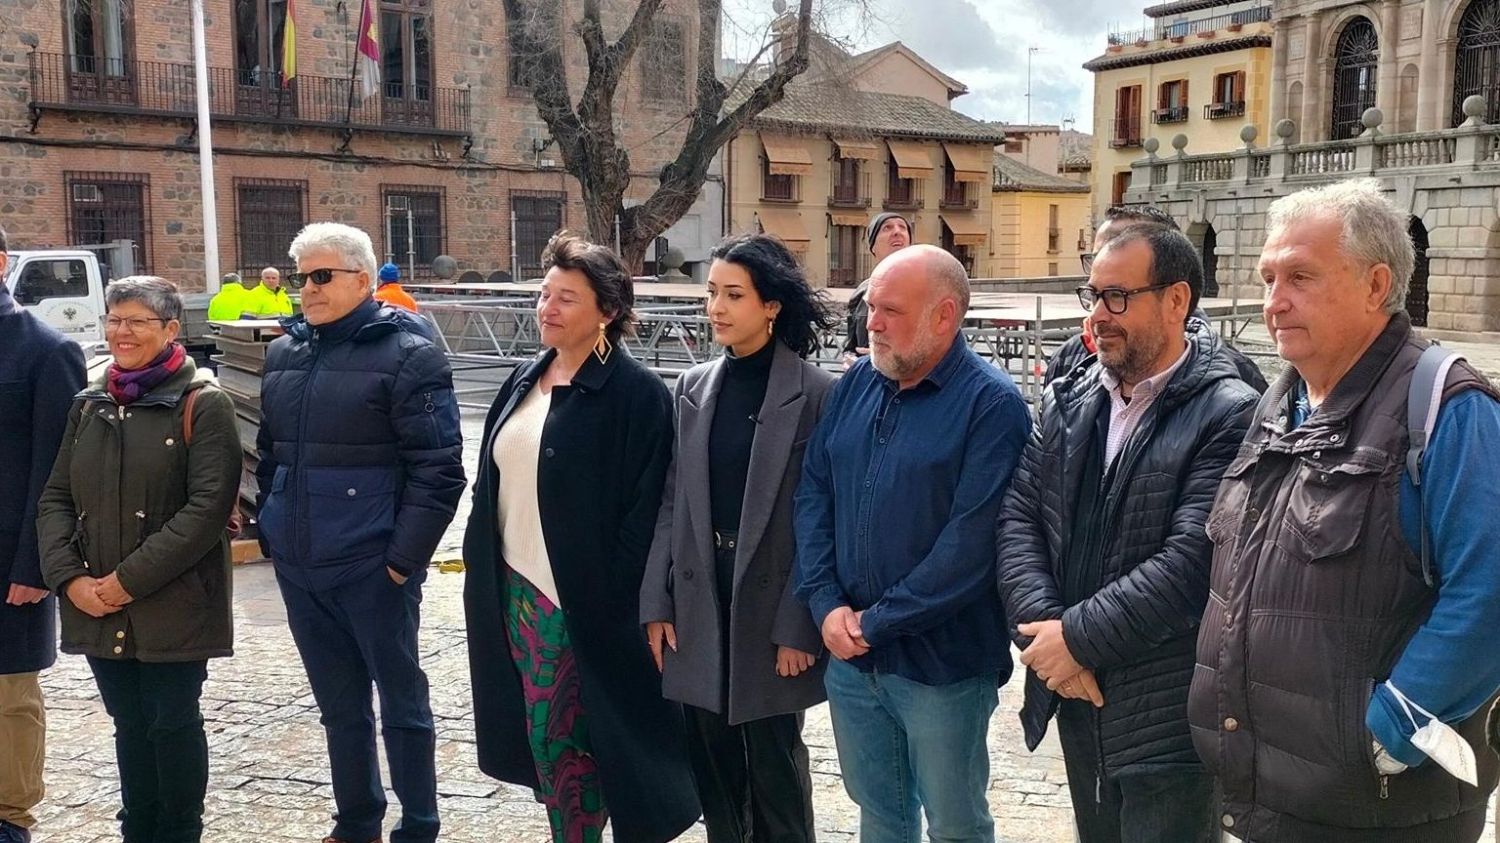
(725, 539)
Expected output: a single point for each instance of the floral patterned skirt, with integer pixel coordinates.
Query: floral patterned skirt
(556, 725)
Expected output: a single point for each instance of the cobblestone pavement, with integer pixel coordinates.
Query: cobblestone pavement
(269, 778)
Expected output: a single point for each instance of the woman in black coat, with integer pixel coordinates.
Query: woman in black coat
(576, 446)
(734, 643)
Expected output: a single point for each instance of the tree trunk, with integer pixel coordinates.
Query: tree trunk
(586, 138)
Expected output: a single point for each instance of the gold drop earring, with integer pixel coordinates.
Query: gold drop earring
(602, 347)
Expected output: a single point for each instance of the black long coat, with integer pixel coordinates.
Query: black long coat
(40, 371)
(606, 445)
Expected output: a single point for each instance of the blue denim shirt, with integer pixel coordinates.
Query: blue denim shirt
(895, 515)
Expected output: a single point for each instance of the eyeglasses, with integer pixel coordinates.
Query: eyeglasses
(298, 280)
(1115, 299)
(1087, 259)
(135, 324)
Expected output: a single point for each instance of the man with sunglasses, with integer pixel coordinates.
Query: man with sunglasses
(1104, 561)
(360, 472)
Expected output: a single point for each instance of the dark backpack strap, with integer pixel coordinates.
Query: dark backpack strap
(1423, 400)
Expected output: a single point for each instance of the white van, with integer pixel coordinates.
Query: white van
(65, 289)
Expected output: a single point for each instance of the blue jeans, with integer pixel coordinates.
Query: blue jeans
(905, 746)
(349, 636)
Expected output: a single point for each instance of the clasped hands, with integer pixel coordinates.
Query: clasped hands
(98, 596)
(789, 660)
(1048, 657)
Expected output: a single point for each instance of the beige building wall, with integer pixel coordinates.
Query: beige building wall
(1204, 134)
(744, 175)
(1040, 150)
(1021, 233)
(895, 73)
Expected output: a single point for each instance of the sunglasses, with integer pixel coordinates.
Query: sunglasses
(298, 280)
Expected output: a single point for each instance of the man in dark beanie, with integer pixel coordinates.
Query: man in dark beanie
(885, 234)
(40, 372)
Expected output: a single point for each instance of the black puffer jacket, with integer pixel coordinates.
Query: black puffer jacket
(1137, 631)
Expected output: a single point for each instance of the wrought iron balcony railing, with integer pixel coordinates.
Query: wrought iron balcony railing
(77, 83)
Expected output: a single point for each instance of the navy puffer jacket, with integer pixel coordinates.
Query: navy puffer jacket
(360, 448)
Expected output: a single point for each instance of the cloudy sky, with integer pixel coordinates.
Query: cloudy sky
(982, 43)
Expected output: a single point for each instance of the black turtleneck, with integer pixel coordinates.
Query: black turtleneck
(741, 394)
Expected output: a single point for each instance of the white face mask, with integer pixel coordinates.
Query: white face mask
(1441, 742)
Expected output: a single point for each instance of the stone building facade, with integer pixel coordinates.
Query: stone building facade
(1442, 168)
(98, 143)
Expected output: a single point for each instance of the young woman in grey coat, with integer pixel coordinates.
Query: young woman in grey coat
(732, 641)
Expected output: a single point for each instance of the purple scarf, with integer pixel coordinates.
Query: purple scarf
(128, 385)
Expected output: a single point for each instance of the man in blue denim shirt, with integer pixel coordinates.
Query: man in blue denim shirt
(895, 515)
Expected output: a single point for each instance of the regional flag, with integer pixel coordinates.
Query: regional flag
(367, 54)
(288, 47)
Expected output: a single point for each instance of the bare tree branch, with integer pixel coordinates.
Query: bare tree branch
(586, 137)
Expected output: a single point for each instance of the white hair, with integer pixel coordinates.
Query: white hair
(270, 269)
(1375, 230)
(348, 242)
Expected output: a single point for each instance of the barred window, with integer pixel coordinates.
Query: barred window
(105, 207)
(413, 230)
(537, 216)
(268, 214)
(664, 61)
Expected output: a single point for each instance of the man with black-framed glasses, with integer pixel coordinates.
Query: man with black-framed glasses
(1104, 561)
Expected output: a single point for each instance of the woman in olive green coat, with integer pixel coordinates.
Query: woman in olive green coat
(131, 531)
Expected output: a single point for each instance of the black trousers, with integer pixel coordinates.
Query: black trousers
(160, 747)
(753, 779)
(1174, 807)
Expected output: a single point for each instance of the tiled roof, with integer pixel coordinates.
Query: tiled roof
(1011, 174)
(837, 109)
(1207, 48)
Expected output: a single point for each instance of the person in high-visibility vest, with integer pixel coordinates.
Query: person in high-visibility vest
(269, 298)
(390, 290)
(231, 302)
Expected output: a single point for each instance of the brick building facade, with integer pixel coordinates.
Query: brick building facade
(97, 129)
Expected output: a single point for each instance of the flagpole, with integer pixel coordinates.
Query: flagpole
(205, 154)
(359, 34)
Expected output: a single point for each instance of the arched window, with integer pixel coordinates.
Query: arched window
(1356, 60)
(1477, 69)
(1416, 294)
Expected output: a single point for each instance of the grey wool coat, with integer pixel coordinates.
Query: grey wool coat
(679, 585)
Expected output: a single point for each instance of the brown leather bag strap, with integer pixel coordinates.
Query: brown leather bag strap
(188, 401)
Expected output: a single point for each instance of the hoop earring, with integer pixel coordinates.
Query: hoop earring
(603, 347)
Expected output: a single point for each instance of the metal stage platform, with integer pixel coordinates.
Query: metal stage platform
(487, 326)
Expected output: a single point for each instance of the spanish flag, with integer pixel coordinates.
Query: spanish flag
(288, 47)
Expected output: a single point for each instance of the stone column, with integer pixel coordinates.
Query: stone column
(1278, 77)
(1429, 94)
(1390, 36)
(1314, 117)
